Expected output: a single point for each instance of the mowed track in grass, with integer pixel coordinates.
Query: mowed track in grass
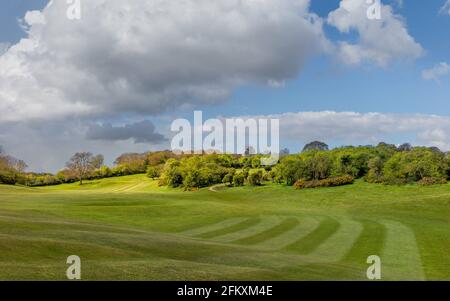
(129, 228)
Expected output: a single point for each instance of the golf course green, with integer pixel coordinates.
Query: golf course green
(128, 228)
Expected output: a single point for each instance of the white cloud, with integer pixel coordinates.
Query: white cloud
(436, 72)
(446, 8)
(379, 41)
(151, 56)
(3, 48)
(364, 128)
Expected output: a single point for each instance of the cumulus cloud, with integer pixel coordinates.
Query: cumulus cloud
(363, 128)
(436, 72)
(3, 48)
(151, 56)
(140, 132)
(379, 41)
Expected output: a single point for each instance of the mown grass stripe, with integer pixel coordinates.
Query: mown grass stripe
(230, 229)
(306, 225)
(264, 224)
(281, 228)
(310, 242)
(401, 257)
(369, 242)
(213, 227)
(336, 246)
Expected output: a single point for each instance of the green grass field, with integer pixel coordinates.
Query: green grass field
(129, 228)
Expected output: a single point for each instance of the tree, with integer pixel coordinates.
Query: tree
(11, 169)
(238, 179)
(153, 172)
(375, 170)
(255, 177)
(228, 179)
(82, 164)
(415, 165)
(97, 161)
(133, 163)
(289, 170)
(405, 147)
(315, 145)
(284, 152)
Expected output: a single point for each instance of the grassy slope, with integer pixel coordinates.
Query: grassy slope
(128, 228)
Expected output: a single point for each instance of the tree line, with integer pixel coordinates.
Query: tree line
(315, 166)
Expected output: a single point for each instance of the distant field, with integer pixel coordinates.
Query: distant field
(129, 228)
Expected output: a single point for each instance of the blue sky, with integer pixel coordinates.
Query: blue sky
(322, 83)
(399, 87)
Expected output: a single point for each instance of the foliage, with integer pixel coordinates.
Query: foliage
(315, 145)
(432, 181)
(11, 169)
(238, 179)
(330, 182)
(83, 165)
(132, 163)
(413, 166)
(153, 172)
(228, 179)
(384, 163)
(255, 177)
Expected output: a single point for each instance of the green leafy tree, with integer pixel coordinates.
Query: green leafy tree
(153, 172)
(238, 179)
(315, 145)
(255, 177)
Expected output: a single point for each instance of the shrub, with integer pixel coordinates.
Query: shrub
(432, 181)
(255, 177)
(330, 182)
(153, 172)
(238, 179)
(228, 179)
(245, 172)
(288, 170)
(414, 165)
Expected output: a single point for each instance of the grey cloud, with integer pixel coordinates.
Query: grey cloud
(140, 132)
(159, 55)
(46, 146)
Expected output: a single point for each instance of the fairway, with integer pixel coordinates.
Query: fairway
(128, 228)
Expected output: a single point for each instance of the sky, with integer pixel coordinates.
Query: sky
(113, 80)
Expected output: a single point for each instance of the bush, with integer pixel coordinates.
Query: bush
(153, 172)
(228, 179)
(174, 178)
(432, 181)
(238, 179)
(255, 177)
(415, 165)
(288, 170)
(330, 182)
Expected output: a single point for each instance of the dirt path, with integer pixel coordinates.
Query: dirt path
(214, 188)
